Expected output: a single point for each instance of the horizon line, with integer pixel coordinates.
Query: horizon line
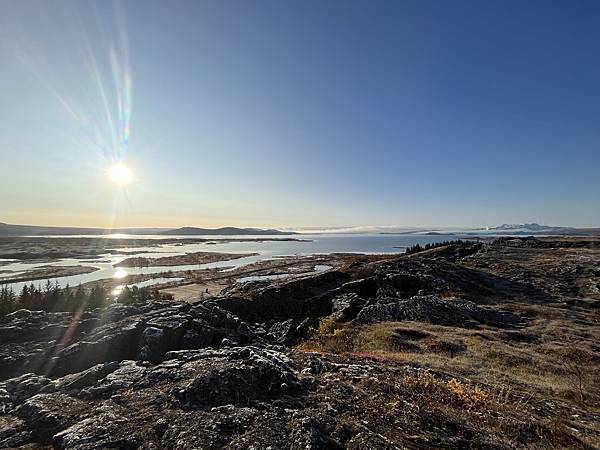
(315, 229)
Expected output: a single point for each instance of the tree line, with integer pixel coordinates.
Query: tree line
(421, 248)
(52, 297)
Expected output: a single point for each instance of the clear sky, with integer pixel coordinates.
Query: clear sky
(300, 113)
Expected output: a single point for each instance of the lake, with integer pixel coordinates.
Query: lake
(314, 244)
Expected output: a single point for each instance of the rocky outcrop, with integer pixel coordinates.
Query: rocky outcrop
(431, 275)
(108, 429)
(242, 377)
(346, 307)
(226, 372)
(74, 343)
(47, 414)
(291, 331)
(239, 397)
(189, 373)
(297, 299)
(432, 309)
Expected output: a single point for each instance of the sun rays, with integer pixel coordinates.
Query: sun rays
(120, 175)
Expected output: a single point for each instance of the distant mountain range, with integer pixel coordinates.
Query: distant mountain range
(524, 226)
(227, 231)
(515, 229)
(534, 228)
(35, 230)
(521, 229)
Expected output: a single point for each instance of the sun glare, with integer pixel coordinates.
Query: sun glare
(120, 175)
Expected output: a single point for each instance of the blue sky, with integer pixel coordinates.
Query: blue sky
(316, 113)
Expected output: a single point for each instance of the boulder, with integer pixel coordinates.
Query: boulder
(243, 377)
(72, 384)
(46, 414)
(111, 342)
(161, 335)
(345, 307)
(106, 430)
(17, 390)
(451, 312)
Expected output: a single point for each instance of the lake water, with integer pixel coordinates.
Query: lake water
(317, 244)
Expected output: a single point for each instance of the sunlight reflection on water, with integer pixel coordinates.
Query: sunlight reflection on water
(315, 244)
(120, 273)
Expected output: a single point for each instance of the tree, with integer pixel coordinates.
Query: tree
(8, 300)
(97, 297)
(126, 296)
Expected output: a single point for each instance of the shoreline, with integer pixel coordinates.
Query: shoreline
(50, 247)
(179, 260)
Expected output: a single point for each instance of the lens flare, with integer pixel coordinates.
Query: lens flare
(98, 102)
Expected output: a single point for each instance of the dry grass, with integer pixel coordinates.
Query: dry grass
(538, 385)
(433, 403)
(549, 369)
(332, 337)
(551, 358)
(452, 392)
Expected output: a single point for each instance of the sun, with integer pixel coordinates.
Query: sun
(120, 174)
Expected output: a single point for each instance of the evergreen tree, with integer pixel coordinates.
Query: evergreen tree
(125, 296)
(97, 297)
(8, 300)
